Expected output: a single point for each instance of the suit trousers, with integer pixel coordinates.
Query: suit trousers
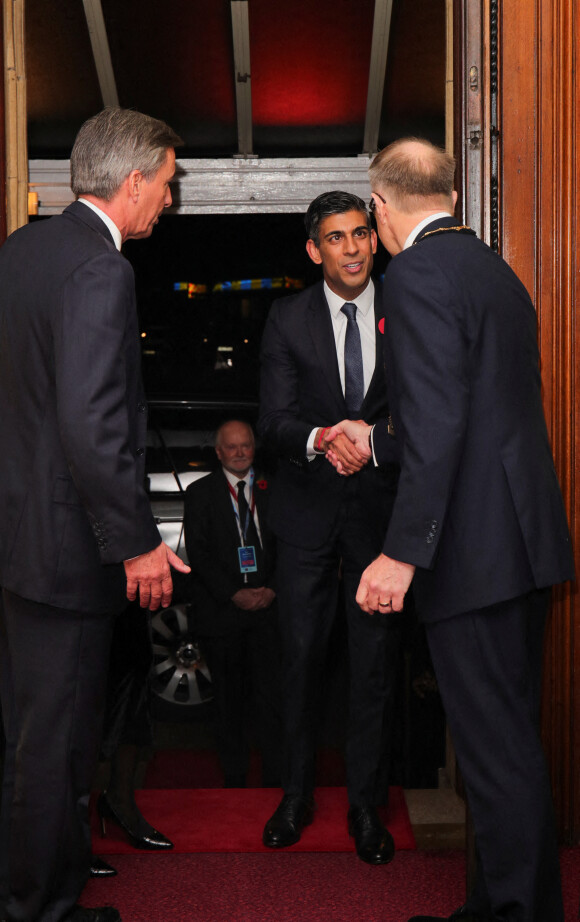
(53, 668)
(245, 669)
(488, 666)
(307, 597)
(128, 708)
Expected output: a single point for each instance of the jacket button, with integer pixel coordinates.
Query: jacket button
(140, 451)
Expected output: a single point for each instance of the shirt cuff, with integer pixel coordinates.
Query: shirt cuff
(310, 452)
(372, 445)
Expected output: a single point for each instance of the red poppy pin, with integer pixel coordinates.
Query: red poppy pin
(262, 484)
(382, 325)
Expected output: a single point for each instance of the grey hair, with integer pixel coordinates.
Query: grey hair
(228, 422)
(411, 170)
(113, 143)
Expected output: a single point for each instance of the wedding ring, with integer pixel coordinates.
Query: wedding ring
(384, 604)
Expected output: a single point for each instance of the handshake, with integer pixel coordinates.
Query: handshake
(346, 445)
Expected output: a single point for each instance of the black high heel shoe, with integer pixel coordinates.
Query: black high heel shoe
(101, 868)
(140, 834)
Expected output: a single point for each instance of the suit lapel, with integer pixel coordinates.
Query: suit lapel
(224, 507)
(261, 499)
(378, 378)
(85, 214)
(319, 325)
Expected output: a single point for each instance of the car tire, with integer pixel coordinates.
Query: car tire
(181, 686)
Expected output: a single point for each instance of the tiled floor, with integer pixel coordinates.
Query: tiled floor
(438, 817)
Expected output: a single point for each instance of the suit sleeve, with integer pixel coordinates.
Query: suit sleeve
(385, 447)
(280, 423)
(97, 361)
(429, 357)
(199, 531)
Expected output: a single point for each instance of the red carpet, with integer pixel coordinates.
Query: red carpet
(286, 887)
(200, 768)
(230, 820)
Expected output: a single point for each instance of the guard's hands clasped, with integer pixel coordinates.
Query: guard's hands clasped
(253, 598)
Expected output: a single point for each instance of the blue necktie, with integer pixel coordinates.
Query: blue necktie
(354, 388)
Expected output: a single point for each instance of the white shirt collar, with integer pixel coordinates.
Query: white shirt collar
(115, 232)
(364, 302)
(233, 480)
(417, 230)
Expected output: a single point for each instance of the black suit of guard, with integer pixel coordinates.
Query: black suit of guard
(323, 522)
(242, 647)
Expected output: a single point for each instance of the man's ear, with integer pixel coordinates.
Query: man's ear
(134, 180)
(313, 252)
(454, 199)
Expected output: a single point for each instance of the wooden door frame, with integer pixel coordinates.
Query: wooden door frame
(516, 141)
(2, 132)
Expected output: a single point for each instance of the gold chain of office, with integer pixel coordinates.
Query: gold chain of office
(460, 228)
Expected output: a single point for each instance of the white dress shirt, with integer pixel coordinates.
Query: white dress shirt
(233, 481)
(365, 318)
(417, 230)
(115, 232)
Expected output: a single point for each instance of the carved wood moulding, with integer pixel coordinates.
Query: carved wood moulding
(538, 45)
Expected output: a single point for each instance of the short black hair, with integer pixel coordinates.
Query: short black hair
(329, 203)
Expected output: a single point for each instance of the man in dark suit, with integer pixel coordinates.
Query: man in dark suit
(478, 524)
(232, 556)
(321, 356)
(77, 536)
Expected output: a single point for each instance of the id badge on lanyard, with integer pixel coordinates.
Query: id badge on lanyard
(247, 552)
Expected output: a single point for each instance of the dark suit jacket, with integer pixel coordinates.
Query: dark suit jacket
(300, 389)
(478, 508)
(212, 541)
(72, 416)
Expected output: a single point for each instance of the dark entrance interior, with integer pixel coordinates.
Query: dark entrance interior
(205, 281)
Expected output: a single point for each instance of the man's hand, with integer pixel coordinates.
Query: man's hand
(347, 445)
(383, 585)
(253, 599)
(268, 596)
(150, 575)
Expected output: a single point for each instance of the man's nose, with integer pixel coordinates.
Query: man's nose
(168, 199)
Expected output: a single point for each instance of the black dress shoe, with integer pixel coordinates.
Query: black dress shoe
(285, 826)
(100, 868)
(102, 914)
(138, 830)
(374, 844)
